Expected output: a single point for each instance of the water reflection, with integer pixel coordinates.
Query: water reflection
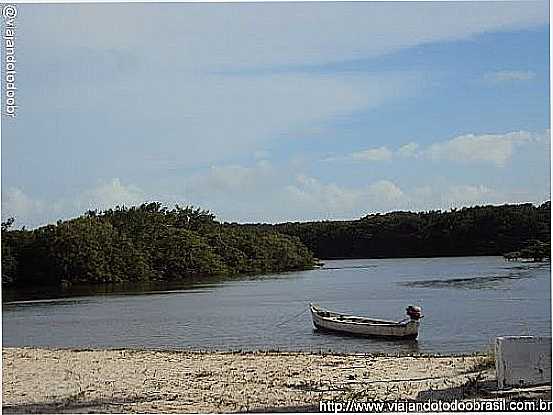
(12, 295)
(477, 283)
(486, 281)
(328, 268)
(43, 303)
(42, 294)
(401, 345)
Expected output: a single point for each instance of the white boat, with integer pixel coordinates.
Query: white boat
(364, 326)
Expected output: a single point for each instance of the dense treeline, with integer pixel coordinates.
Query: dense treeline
(534, 250)
(480, 230)
(149, 242)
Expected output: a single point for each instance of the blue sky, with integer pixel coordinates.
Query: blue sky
(273, 112)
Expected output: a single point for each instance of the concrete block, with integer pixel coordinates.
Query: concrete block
(522, 361)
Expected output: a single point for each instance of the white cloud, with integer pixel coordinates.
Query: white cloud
(36, 212)
(507, 76)
(487, 148)
(313, 199)
(467, 195)
(496, 149)
(242, 35)
(309, 198)
(408, 150)
(108, 195)
(16, 203)
(262, 193)
(230, 179)
(385, 190)
(446, 196)
(372, 154)
(382, 153)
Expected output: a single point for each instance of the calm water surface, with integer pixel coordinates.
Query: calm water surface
(466, 302)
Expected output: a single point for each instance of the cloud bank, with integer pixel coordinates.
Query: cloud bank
(495, 149)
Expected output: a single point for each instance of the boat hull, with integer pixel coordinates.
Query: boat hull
(408, 330)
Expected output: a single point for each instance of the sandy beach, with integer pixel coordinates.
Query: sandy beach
(42, 380)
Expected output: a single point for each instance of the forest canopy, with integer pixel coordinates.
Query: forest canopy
(153, 243)
(144, 243)
(470, 231)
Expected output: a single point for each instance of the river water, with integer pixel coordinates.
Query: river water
(466, 302)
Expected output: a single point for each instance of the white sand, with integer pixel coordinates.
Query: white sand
(41, 380)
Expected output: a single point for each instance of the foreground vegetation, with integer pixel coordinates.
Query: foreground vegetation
(149, 242)
(153, 243)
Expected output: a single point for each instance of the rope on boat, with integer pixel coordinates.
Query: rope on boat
(290, 319)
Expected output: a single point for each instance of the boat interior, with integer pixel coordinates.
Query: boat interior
(344, 318)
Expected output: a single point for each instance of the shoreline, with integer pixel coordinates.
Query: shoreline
(147, 380)
(245, 351)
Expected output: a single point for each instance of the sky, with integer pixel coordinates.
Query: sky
(279, 111)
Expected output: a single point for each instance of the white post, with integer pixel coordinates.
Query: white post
(522, 361)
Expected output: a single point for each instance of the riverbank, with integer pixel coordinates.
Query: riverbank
(44, 380)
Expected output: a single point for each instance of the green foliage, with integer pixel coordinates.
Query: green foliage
(142, 243)
(85, 249)
(181, 252)
(152, 242)
(480, 230)
(9, 262)
(536, 250)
